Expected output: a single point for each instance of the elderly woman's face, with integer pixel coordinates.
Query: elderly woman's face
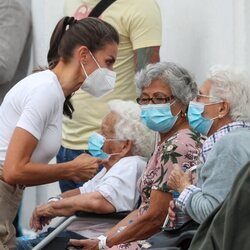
(160, 91)
(108, 131)
(211, 110)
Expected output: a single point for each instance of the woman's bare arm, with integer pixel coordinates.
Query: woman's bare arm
(18, 168)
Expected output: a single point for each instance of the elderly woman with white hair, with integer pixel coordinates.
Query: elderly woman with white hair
(125, 144)
(222, 112)
(165, 90)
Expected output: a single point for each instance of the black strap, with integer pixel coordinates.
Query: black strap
(100, 7)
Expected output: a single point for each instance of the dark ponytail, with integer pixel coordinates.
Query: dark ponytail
(53, 56)
(69, 33)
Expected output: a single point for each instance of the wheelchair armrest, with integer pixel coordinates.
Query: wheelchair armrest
(117, 216)
(79, 215)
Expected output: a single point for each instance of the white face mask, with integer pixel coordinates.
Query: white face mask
(100, 82)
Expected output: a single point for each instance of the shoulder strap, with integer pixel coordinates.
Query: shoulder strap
(100, 7)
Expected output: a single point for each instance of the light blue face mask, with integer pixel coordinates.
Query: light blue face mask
(195, 119)
(95, 145)
(158, 117)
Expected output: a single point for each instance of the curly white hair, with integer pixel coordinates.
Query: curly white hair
(130, 127)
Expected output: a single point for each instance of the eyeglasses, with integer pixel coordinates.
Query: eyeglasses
(154, 100)
(211, 98)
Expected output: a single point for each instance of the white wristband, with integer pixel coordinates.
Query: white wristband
(102, 242)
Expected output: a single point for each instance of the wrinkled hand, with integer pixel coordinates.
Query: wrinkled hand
(171, 213)
(85, 167)
(178, 180)
(40, 217)
(86, 244)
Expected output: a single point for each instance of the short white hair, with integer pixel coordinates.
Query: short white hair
(130, 127)
(233, 86)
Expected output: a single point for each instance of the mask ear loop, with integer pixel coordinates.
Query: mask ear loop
(84, 70)
(114, 140)
(171, 110)
(112, 155)
(219, 116)
(94, 59)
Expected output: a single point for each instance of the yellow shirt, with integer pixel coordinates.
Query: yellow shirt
(138, 23)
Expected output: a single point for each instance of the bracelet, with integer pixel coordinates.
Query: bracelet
(55, 198)
(102, 242)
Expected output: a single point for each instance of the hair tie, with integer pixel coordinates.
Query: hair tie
(71, 21)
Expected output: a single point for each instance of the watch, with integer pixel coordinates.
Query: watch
(102, 242)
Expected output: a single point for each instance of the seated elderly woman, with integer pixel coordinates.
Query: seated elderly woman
(220, 111)
(165, 90)
(127, 144)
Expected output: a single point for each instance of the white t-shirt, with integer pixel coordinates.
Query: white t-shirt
(119, 184)
(36, 105)
(119, 187)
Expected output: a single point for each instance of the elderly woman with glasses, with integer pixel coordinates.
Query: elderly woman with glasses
(165, 90)
(222, 112)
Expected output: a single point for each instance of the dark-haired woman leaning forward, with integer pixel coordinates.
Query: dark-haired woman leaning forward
(81, 55)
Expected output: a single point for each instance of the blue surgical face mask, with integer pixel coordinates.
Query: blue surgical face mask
(195, 119)
(95, 145)
(158, 117)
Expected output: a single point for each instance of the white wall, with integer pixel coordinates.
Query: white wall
(46, 14)
(196, 34)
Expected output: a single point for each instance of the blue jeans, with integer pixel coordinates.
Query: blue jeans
(24, 243)
(64, 155)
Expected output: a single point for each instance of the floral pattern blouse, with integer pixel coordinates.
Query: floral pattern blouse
(182, 148)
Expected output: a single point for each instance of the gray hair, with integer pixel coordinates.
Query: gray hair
(130, 127)
(233, 86)
(181, 82)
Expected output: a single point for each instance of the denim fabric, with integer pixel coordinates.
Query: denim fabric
(26, 243)
(64, 155)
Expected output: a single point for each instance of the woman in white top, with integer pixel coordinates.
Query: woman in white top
(81, 55)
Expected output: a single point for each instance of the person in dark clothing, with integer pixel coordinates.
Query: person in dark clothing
(228, 226)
